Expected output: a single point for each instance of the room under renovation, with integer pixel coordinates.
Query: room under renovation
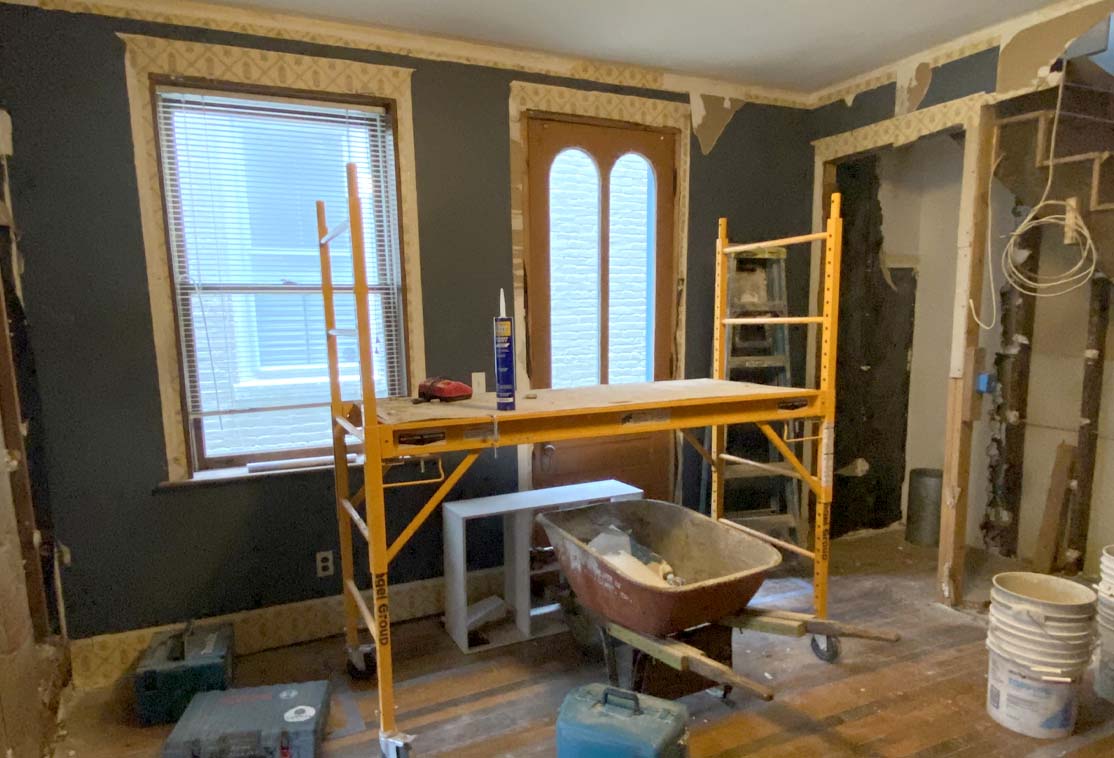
(480, 378)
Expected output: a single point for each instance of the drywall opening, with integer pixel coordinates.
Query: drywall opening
(919, 188)
(872, 373)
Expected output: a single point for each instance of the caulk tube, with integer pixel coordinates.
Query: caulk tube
(504, 357)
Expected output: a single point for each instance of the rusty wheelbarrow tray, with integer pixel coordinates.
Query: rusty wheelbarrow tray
(722, 567)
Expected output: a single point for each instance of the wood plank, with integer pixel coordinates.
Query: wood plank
(978, 149)
(600, 397)
(20, 477)
(1055, 505)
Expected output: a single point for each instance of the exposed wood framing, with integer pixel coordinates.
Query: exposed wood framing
(1098, 318)
(978, 148)
(15, 455)
(1000, 526)
(973, 115)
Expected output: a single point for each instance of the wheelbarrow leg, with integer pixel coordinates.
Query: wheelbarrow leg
(608, 643)
(639, 663)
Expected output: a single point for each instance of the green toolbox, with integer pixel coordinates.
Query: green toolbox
(597, 721)
(179, 664)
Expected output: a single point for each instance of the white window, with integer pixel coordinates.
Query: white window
(241, 174)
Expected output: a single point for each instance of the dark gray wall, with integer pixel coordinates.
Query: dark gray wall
(146, 556)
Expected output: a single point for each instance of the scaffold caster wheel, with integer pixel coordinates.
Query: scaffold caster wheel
(828, 650)
(361, 663)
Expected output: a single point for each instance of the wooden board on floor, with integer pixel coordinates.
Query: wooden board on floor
(1052, 520)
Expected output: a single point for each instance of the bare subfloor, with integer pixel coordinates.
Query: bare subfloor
(924, 696)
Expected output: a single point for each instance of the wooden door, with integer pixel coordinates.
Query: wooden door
(600, 284)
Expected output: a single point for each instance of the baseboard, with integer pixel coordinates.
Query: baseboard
(100, 661)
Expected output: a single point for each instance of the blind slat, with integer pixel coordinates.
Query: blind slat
(241, 176)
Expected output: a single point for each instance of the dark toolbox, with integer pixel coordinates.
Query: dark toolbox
(597, 721)
(277, 721)
(178, 665)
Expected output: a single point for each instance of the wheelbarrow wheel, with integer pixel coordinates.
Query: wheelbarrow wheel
(828, 650)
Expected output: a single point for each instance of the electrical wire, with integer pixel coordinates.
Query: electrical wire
(1066, 217)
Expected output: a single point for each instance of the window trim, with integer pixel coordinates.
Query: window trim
(152, 62)
(192, 426)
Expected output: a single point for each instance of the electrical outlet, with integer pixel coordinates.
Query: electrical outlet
(324, 563)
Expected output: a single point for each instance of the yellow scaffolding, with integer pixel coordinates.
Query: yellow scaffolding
(392, 430)
(828, 320)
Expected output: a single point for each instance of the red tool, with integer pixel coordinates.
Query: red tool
(445, 390)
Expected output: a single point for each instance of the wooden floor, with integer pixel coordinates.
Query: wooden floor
(924, 696)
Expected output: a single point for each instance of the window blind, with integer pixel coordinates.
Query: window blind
(241, 175)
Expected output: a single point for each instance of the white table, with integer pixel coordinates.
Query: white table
(518, 510)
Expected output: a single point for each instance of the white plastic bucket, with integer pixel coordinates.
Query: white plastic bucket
(1026, 702)
(1081, 634)
(1033, 617)
(1056, 646)
(1106, 562)
(1042, 664)
(1104, 672)
(1048, 597)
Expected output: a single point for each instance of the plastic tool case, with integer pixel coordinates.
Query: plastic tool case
(278, 721)
(597, 721)
(177, 665)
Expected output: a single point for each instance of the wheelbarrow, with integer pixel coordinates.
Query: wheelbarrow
(721, 569)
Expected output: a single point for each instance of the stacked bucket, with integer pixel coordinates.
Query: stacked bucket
(1104, 674)
(1041, 639)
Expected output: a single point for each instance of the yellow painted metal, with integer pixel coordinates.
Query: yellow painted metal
(431, 504)
(383, 442)
(440, 477)
(356, 518)
(352, 592)
(374, 502)
(812, 482)
(826, 460)
(462, 435)
(340, 449)
(698, 446)
(820, 483)
(720, 349)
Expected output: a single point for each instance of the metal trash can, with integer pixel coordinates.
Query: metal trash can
(922, 520)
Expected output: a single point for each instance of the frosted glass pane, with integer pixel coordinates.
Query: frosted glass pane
(574, 269)
(630, 331)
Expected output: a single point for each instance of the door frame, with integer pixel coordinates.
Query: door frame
(665, 256)
(566, 102)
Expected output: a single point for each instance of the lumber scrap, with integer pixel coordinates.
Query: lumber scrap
(1055, 508)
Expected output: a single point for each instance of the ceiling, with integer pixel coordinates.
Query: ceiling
(800, 45)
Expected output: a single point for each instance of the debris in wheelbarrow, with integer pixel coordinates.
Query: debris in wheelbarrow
(722, 567)
(633, 558)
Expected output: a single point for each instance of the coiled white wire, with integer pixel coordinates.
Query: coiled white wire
(1068, 218)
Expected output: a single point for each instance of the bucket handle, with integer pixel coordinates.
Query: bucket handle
(1035, 614)
(631, 699)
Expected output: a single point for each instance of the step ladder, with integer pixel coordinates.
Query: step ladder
(759, 353)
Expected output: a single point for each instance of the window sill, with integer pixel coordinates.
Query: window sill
(234, 474)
